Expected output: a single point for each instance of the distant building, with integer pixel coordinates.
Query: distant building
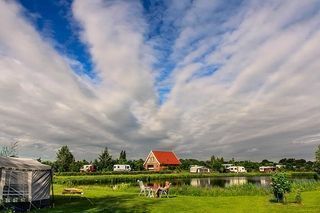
(88, 168)
(199, 169)
(267, 169)
(160, 160)
(236, 169)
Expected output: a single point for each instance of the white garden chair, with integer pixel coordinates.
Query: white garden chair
(146, 190)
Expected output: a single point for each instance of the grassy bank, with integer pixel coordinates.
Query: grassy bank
(118, 178)
(126, 199)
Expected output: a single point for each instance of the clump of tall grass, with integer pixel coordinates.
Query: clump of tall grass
(121, 186)
(298, 197)
(239, 190)
(304, 175)
(305, 185)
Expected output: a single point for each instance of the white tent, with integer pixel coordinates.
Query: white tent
(24, 181)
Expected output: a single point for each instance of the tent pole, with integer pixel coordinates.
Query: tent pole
(52, 198)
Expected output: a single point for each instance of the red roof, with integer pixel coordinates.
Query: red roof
(167, 158)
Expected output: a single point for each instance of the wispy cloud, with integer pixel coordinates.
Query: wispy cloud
(240, 80)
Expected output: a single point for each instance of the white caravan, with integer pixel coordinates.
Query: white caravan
(121, 167)
(236, 169)
(199, 169)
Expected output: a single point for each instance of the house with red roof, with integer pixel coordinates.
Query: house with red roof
(160, 160)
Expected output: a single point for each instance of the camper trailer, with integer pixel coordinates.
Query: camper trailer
(199, 169)
(88, 168)
(236, 169)
(121, 168)
(267, 169)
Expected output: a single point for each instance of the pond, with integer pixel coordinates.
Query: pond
(263, 181)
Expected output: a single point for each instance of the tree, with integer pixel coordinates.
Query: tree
(64, 159)
(9, 151)
(266, 162)
(216, 163)
(122, 157)
(280, 185)
(137, 165)
(104, 161)
(317, 163)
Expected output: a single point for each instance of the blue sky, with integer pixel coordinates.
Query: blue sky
(198, 77)
(54, 21)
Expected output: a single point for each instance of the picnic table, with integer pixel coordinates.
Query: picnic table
(75, 191)
(72, 191)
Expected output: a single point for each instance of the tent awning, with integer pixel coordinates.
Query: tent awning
(22, 164)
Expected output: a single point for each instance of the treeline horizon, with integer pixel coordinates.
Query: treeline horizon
(65, 162)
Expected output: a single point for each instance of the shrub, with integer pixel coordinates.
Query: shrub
(280, 185)
(298, 198)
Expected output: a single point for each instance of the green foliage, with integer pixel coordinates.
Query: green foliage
(186, 163)
(64, 159)
(216, 163)
(280, 186)
(305, 185)
(122, 157)
(121, 186)
(317, 163)
(9, 151)
(76, 166)
(105, 199)
(305, 175)
(104, 162)
(298, 197)
(136, 165)
(296, 164)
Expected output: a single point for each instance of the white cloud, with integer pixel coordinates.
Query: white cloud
(262, 100)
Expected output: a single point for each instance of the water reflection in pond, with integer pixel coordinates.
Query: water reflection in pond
(221, 181)
(229, 181)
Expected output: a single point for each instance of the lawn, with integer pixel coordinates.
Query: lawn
(105, 199)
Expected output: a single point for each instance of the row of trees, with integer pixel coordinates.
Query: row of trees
(65, 161)
(216, 163)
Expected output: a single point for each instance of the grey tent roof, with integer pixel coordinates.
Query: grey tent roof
(22, 164)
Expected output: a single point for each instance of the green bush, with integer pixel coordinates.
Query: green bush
(280, 185)
(306, 175)
(298, 198)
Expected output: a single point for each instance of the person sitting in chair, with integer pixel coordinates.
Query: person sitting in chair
(163, 190)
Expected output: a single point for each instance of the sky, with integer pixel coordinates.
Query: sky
(237, 79)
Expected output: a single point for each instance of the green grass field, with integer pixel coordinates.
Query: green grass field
(105, 199)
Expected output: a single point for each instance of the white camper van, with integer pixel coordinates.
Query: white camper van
(236, 169)
(199, 169)
(121, 167)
